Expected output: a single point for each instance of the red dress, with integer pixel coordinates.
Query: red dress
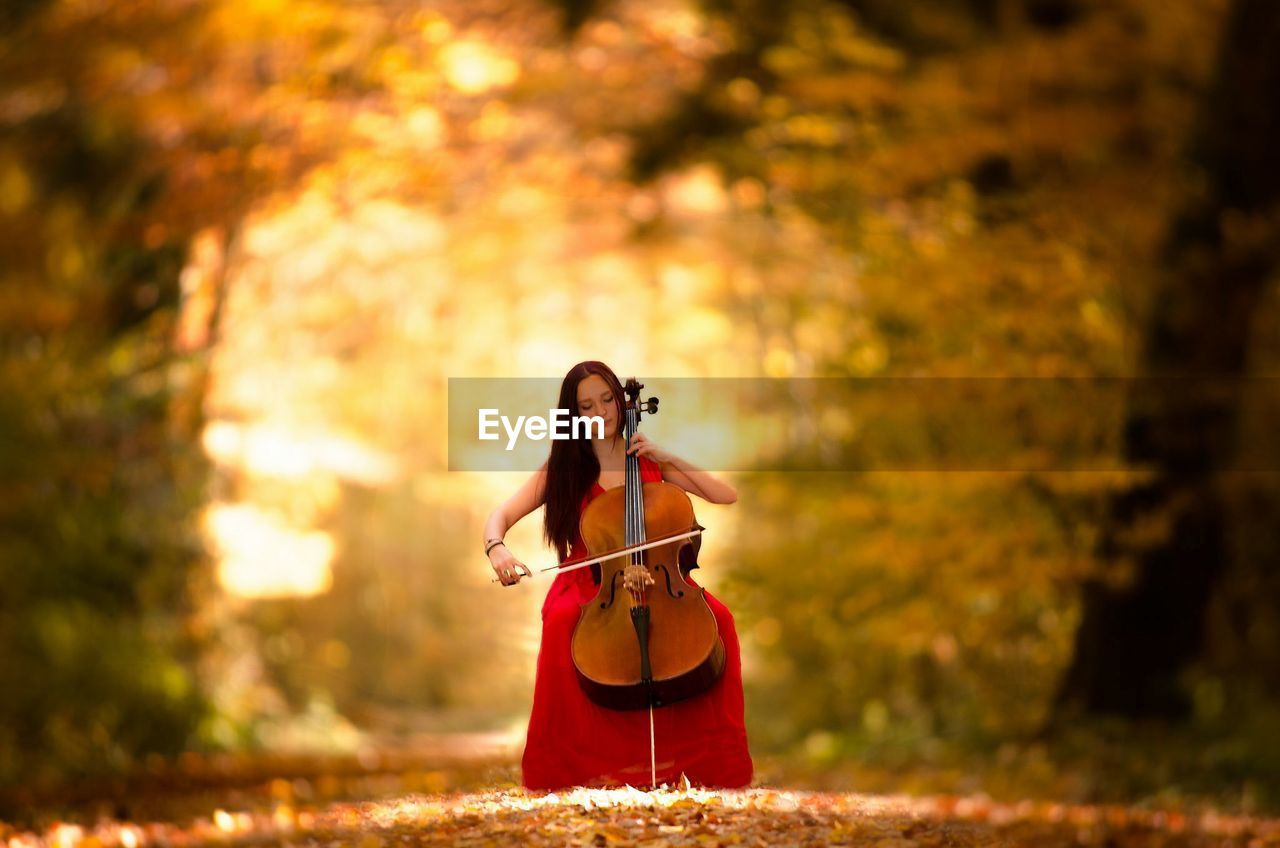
(572, 741)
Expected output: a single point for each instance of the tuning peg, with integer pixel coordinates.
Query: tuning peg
(651, 405)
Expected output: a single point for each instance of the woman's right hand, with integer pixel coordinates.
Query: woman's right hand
(506, 566)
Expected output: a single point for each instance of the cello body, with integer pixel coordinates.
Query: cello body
(637, 649)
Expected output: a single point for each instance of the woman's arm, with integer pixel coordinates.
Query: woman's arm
(692, 479)
(685, 474)
(526, 499)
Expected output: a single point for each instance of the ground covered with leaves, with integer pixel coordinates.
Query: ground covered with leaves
(681, 815)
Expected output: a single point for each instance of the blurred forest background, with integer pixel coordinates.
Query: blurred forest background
(246, 244)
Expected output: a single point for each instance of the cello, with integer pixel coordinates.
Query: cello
(648, 637)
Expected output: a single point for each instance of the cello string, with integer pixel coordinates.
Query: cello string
(631, 489)
(630, 493)
(640, 529)
(634, 469)
(634, 499)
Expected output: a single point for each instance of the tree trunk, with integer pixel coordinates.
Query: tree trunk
(1163, 545)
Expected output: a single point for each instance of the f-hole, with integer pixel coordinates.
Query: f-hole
(613, 589)
(666, 572)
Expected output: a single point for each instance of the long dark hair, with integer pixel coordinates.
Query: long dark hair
(572, 468)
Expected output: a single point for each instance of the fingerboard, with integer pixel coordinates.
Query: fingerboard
(634, 491)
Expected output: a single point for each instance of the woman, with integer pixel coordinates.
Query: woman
(572, 741)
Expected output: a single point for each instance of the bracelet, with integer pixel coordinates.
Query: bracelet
(494, 544)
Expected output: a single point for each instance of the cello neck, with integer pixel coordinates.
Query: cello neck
(634, 491)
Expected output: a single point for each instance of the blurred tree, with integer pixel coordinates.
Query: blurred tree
(102, 378)
(756, 27)
(998, 201)
(1164, 544)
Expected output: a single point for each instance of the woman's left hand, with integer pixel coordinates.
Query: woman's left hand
(642, 446)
